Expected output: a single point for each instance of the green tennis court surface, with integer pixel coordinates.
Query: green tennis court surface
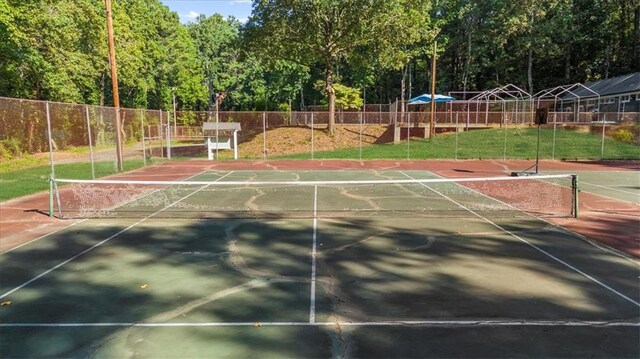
(327, 282)
(618, 185)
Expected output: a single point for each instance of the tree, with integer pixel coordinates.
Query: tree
(216, 40)
(347, 98)
(328, 31)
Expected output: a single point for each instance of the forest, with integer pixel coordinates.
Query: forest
(291, 54)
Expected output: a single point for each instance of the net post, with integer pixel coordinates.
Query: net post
(575, 190)
(51, 195)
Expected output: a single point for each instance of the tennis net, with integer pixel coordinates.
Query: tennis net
(540, 196)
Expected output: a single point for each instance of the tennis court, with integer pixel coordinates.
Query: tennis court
(349, 263)
(618, 185)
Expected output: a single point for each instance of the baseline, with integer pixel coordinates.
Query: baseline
(417, 323)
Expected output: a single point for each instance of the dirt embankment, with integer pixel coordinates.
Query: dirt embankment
(288, 140)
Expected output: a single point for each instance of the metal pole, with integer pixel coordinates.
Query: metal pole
(603, 132)
(312, 135)
(576, 190)
(360, 146)
(504, 147)
(114, 85)
(144, 151)
(264, 135)
(168, 140)
(161, 135)
(408, 135)
(538, 150)
(93, 171)
(432, 128)
(51, 209)
(175, 118)
(52, 175)
(456, 150)
(217, 129)
(553, 145)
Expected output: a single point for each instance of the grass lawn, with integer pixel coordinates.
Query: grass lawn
(519, 143)
(35, 179)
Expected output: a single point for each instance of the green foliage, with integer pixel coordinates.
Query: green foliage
(347, 98)
(329, 31)
(283, 107)
(536, 44)
(57, 50)
(10, 148)
(623, 135)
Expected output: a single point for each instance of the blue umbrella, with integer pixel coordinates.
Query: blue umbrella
(426, 98)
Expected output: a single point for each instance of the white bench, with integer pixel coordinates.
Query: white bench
(221, 136)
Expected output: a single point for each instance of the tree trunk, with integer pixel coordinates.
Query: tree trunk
(607, 59)
(636, 37)
(567, 63)
(123, 120)
(331, 96)
(211, 92)
(530, 69)
(467, 63)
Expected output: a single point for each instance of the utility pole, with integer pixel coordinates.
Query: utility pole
(432, 127)
(114, 84)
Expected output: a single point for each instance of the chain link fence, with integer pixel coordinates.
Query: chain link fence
(87, 134)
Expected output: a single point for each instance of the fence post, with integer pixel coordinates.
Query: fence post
(504, 147)
(360, 139)
(264, 135)
(168, 135)
(50, 136)
(312, 136)
(456, 149)
(408, 135)
(604, 124)
(144, 150)
(161, 135)
(553, 145)
(576, 190)
(217, 130)
(93, 171)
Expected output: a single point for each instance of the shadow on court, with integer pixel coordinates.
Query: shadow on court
(385, 287)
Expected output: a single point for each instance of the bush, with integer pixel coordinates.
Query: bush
(623, 135)
(4, 153)
(10, 148)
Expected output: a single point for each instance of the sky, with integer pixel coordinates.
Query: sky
(190, 9)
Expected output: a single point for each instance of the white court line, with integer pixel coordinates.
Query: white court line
(312, 306)
(533, 246)
(42, 236)
(390, 323)
(600, 246)
(102, 242)
(609, 188)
